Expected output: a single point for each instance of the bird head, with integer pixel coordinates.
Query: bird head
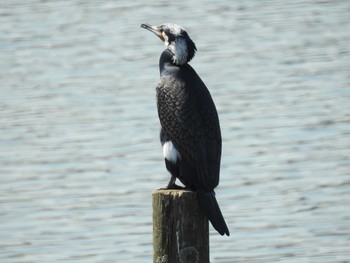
(176, 40)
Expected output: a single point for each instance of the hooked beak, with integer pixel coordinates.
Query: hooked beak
(154, 29)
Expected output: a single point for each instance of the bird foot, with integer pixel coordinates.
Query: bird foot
(172, 187)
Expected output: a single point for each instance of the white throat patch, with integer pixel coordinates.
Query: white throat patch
(179, 49)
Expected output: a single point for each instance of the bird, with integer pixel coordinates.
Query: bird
(190, 132)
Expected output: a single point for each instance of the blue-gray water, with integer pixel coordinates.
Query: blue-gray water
(79, 149)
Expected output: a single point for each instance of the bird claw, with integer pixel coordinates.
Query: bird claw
(172, 187)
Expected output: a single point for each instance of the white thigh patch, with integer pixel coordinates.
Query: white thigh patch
(170, 152)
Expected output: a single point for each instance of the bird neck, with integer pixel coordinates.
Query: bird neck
(166, 61)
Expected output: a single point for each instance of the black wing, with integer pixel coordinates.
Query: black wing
(188, 116)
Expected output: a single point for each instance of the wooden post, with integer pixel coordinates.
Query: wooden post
(180, 228)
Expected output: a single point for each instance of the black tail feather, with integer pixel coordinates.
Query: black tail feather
(210, 206)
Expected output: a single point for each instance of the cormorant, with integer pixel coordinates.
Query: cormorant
(190, 130)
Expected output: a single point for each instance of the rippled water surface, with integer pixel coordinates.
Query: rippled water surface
(80, 154)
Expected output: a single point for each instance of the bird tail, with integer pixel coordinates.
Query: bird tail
(210, 206)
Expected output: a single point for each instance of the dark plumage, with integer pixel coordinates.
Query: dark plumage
(190, 130)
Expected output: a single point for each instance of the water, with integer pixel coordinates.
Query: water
(79, 131)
